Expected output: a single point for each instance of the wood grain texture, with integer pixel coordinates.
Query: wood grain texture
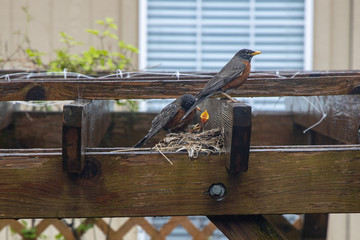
(279, 180)
(235, 121)
(84, 125)
(43, 130)
(157, 87)
(342, 121)
(245, 227)
(283, 227)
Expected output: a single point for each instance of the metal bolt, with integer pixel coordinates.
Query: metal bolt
(217, 191)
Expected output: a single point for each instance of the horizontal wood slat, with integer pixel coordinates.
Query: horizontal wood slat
(279, 180)
(259, 85)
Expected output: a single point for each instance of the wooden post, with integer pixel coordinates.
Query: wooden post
(235, 120)
(315, 226)
(84, 125)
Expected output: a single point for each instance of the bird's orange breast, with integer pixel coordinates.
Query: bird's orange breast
(238, 81)
(176, 125)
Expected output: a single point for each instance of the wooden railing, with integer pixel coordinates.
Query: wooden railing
(307, 179)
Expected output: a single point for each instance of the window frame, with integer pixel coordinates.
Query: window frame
(308, 34)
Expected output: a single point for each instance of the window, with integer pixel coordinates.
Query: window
(202, 35)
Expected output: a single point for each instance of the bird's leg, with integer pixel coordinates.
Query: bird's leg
(229, 97)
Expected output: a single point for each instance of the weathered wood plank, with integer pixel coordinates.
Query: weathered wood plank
(43, 130)
(245, 227)
(283, 227)
(342, 121)
(60, 89)
(6, 114)
(84, 125)
(235, 120)
(279, 180)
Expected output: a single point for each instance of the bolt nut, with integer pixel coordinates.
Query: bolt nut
(217, 191)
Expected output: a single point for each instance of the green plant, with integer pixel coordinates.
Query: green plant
(23, 53)
(59, 237)
(86, 225)
(94, 59)
(28, 232)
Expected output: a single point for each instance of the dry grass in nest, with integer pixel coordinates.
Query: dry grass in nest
(210, 141)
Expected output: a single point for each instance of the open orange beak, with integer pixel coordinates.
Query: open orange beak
(204, 117)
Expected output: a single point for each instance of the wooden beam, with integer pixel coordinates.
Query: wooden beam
(44, 130)
(283, 227)
(262, 85)
(245, 227)
(84, 125)
(342, 120)
(301, 179)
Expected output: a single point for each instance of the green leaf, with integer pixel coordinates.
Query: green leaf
(121, 44)
(59, 236)
(132, 48)
(113, 36)
(113, 25)
(66, 36)
(29, 233)
(106, 33)
(101, 22)
(109, 20)
(92, 31)
(110, 64)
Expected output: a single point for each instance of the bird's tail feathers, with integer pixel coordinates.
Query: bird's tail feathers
(152, 132)
(141, 142)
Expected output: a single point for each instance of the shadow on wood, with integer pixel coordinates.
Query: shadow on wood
(84, 125)
(244, 227)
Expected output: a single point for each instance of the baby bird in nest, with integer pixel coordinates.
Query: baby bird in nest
(199, 127)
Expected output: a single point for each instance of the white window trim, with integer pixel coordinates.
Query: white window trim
(309, 35)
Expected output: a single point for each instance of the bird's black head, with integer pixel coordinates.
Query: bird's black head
(186, 101)
(247, 54)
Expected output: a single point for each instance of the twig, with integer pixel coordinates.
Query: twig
(156, 147)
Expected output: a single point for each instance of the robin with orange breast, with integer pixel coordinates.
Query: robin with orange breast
(171, 117)
(230, 77)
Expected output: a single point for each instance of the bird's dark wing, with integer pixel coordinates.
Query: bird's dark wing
(159, 122)
(233, 69)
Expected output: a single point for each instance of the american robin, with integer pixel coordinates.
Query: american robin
(170, 117)
(230, 77)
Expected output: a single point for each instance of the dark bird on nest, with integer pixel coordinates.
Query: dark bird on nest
(170, 118)
(230, 77)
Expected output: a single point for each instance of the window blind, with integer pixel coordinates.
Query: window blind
(202, 35)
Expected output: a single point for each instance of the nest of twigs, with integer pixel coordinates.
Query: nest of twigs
(210, 141)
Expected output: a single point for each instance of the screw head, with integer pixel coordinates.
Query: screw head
(217, 191)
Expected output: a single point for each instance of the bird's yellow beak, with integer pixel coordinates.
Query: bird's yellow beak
(255, 53)
(204, 116)
(197, 108)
